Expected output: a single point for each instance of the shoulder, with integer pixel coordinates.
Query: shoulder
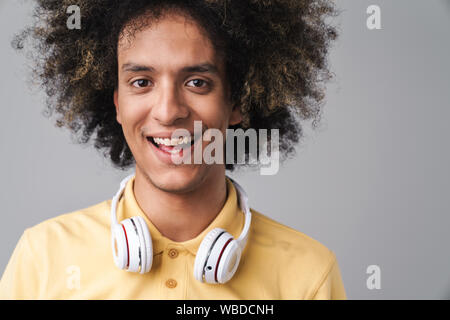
(75, 225)
(272, 234)
(299, 263)
(46, 250)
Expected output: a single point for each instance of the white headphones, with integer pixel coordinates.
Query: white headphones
(217, 257)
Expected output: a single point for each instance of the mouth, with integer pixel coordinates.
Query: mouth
(172, 146)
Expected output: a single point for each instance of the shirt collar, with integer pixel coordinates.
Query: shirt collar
(230, 218)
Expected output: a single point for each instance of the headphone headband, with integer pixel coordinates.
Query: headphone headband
(243, 203)
(116, 198)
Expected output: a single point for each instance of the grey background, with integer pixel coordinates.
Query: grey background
(371, 183)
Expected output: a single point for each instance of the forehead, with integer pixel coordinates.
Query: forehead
(172, 38)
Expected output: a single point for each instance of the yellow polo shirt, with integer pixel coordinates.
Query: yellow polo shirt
(70, 257)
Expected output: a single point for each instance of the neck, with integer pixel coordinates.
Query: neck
(181, 216)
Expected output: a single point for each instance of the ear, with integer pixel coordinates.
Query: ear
(116, 103)
(235, 116)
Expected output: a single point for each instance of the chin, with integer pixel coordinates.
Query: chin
(178, 180)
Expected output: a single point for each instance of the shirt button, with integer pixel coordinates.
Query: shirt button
(171, 283)
(173, 253)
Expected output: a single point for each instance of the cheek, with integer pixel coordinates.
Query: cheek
(132, 110)
(215, 115)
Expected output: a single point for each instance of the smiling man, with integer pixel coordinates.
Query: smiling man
(135, 73)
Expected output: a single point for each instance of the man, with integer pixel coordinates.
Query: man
(137, 71)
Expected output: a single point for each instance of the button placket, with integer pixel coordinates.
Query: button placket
(173, 271)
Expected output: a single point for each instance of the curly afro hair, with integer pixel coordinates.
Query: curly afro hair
(275, 58)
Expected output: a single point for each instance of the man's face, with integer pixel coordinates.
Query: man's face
(170, 76)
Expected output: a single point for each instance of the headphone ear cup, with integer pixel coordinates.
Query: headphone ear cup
(119, 246)
(216, 258)
(229, 262)
(147, 246)
(141, 251)
(134, 245)
(204, 251)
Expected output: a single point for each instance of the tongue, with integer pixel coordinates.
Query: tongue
(169, 149)
(166, 148)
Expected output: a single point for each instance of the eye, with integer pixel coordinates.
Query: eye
(198, 83)
(141, 83)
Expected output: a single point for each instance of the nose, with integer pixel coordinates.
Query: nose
(169, 106)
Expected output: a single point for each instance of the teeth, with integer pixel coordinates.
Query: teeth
(173, 141)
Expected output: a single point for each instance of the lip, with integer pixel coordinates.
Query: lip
(164, 156)
(166, 135)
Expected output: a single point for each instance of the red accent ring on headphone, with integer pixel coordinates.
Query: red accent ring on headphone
(220, 256)
(128, 251)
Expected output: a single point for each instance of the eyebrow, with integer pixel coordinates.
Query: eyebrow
(201, 68)
(132, 67)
